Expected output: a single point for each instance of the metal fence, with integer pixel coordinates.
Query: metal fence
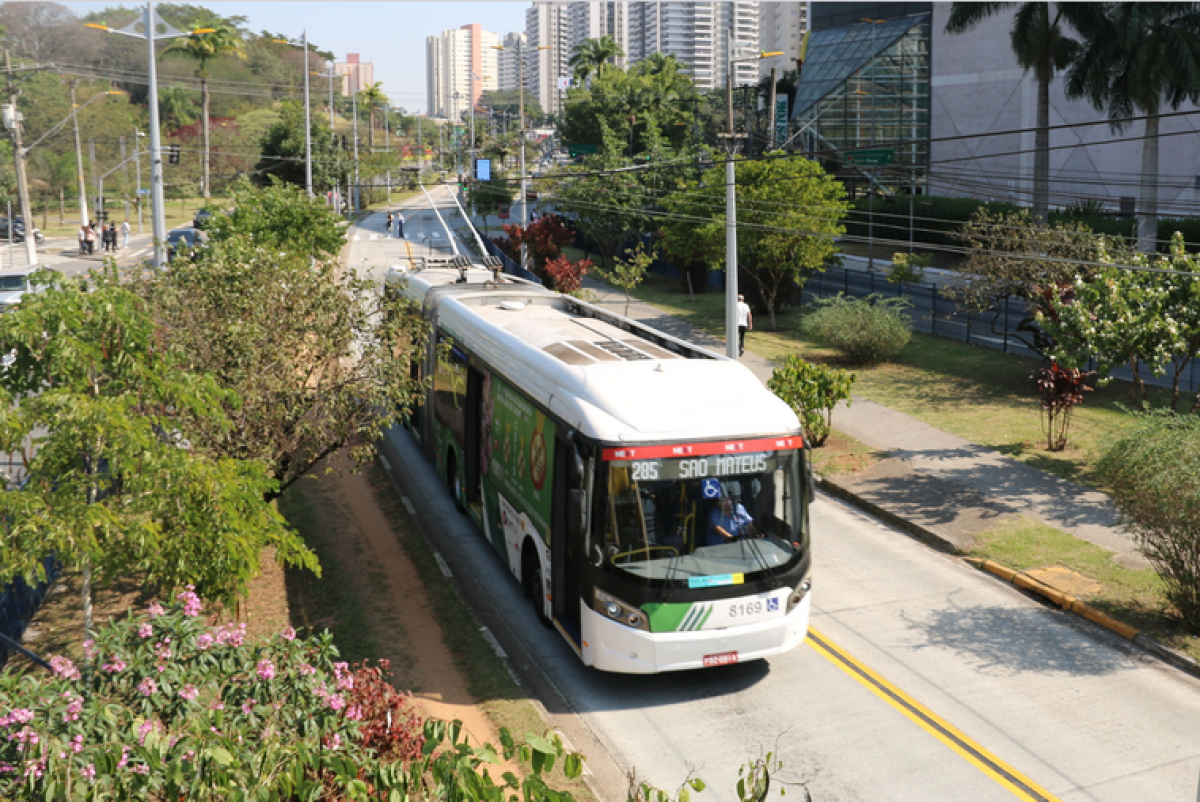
(19, 602)
(933, 313)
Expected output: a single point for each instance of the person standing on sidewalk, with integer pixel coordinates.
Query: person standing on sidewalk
(400, 225)
(90, 236)
(388, 225)
(83, 230)
(745, 323)
(124, 234)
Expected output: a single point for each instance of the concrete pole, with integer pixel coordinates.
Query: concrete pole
(354, 131)
(731, 259)
(771, 110)
(158, 213)
(83, 209)
(22, 181)
(308, 184)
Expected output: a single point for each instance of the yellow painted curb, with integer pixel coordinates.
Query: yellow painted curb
(1067, 602)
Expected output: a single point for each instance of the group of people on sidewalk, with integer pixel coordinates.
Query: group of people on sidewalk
(396, 221)
(88, 234)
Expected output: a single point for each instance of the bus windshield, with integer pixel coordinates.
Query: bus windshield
(712, 515)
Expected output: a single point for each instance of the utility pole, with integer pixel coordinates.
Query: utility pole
(731, 261)
(98, 202)
(83, 209)
(354, 131)
(137, 149)
(771, 111)
(19, 156)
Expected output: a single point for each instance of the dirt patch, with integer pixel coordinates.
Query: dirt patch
(1066, 580)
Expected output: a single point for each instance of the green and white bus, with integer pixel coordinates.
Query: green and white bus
(598, 456)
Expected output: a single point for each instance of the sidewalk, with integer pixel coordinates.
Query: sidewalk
(935, 485)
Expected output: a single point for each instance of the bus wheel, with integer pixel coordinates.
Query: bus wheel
(535, 587)
(454, 482)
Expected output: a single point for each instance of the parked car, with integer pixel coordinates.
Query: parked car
(18, 231)
(202, 218)
(184, 240)
(14, 285)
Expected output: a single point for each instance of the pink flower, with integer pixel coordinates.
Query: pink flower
(147, 687)
(204, 641)
(116, 666)
(354, 713)
(74, 707)
(147, 726)
(77, 744)
(155, 609)
(141, 768)
(64, 668)
(248, 706)
(89, 648)
(335, 702)
(217, 705)
(191, 602)
(189, 692)
(145, 631)
(288, 634)
(265, 670)
(333, 741)
(306, 669)
(89, 772)
(21, 715)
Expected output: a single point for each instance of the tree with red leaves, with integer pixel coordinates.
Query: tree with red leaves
(567, 275)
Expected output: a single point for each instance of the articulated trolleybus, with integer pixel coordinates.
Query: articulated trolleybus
(649, 495)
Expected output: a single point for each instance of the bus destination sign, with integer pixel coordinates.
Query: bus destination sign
(678, 450)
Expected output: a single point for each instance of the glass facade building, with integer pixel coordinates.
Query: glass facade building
(862, 105)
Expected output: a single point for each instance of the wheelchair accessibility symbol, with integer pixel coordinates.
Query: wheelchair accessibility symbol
(711, 488)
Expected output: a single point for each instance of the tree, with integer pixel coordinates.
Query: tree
(314, 352)
(1041, 44)
(202, 48)
(282, 151)
(1153, 469)
(591, 57)
(1012, 259)
(1061, 390)
(628, 273)
(1135, 317)
(372, 97)
(812, 391)
(652, 99)
(101, 416)
(1135, 57)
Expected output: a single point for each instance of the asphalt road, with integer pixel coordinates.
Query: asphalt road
(922, 680)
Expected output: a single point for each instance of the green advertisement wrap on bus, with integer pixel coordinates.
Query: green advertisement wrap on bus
(519, 447)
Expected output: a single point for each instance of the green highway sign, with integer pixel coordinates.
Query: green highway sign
(876, 156)
(582, 149)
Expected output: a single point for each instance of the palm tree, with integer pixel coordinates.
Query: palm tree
(592, 55)
(372, 96)
(1040, 44)
(203, 48)
(1134, 57)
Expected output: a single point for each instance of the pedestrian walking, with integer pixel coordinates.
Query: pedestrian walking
(90, 236)
(745, 322)
(125, 233)
(400, 225)
(388, 226)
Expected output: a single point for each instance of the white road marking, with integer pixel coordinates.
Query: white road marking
(495, 644)
(442, 564)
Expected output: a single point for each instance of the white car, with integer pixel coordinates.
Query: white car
(13, 286)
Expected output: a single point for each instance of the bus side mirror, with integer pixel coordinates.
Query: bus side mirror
(576, 504)
(810, 482)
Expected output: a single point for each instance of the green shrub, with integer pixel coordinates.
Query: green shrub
(812, 391)
(1153, 469)
(908, 268)
(867, 330)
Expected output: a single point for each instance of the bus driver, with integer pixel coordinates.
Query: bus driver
(728, 521)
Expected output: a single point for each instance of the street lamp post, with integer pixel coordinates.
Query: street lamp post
(523, 187)
(871, 176)
(354, 133)
(732, 349)
(308, 183)
(153, 28)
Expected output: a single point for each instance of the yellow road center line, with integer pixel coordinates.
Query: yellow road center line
(1003, 774)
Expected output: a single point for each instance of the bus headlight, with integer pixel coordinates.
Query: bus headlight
(799, 593)
(610, 606)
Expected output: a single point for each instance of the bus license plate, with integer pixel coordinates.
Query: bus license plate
(722, 659)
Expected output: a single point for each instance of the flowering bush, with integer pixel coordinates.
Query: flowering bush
(567, 275)
(166, 707)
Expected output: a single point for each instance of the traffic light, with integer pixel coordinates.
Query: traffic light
(173, 154)
(102, 215)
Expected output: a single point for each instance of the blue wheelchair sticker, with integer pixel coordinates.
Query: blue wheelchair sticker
(711, 488)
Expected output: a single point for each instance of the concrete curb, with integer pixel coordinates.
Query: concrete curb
(1018, 579)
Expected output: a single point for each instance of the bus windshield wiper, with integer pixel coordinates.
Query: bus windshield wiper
(761, 560)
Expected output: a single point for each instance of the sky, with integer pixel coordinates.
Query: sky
(389, 34)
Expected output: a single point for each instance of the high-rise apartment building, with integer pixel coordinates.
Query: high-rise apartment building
(697, 33)
(459, 66)
(781, 28)
(356, 75)
(508, 61)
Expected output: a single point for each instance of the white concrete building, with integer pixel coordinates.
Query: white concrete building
(781, 28)
(977, 90)
(460, 66)
(508, 61)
